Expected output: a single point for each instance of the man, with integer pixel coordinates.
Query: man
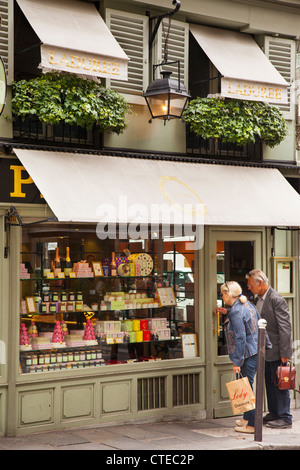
(274, 309)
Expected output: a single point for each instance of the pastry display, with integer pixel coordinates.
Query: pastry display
(24, 338)
(58, 339)
(89, 334)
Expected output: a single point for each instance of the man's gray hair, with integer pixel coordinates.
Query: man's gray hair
(257, 275)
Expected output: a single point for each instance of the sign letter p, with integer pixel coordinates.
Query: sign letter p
(18, 181)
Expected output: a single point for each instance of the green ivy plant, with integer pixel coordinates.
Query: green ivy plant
(56, 97)
(237, 121)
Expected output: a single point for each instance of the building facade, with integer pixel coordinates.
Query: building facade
(104, 206)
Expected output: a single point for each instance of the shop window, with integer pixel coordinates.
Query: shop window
(90, 303)
(234, 261)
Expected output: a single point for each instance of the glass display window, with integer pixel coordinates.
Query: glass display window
(87, 302)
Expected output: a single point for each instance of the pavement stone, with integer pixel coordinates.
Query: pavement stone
(187, 437)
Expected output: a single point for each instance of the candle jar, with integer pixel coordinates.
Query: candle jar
(88, 355)
(78, 306)
(82, 355)
(72, 296)
(64, 297)
(28, 360)
(52, 358)
(55, 297)
(70, 356)
(46, 297)
(76, 356)
(41, 360)
(34, 360)
(59, 358)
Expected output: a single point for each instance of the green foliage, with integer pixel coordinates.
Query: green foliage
(236, 121)
(54, 97)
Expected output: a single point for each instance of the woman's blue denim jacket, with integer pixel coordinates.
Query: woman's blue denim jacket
(241, 328)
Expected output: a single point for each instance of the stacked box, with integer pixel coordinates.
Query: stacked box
(24, 274)
(162, 334)
(109, 326)
(83, 269)
(157, 323)
(158, 329)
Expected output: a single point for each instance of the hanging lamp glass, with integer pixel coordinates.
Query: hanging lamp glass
(166, 97)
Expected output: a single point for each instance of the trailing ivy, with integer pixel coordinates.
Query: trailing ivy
(54, 97)
(237, 121)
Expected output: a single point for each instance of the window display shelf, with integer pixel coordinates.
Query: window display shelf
(91, 278)
(54, 359)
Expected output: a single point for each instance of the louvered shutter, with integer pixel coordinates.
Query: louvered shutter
(177, 45)
(131, 32)
(281, 53)
(6, 31)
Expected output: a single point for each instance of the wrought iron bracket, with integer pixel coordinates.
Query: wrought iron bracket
(159, 19)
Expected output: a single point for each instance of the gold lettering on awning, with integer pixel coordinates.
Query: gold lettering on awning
(253, 91)
(72, 61)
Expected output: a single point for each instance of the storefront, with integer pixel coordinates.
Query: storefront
(111, 318)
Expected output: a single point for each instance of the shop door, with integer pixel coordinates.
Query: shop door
(234, 254)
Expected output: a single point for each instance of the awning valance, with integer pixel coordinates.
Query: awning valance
(246, 71)
(75, 38)
(96, 188)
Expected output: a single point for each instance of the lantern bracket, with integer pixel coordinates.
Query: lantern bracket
(159, 19)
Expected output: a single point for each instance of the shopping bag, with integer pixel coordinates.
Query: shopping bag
(241, 395)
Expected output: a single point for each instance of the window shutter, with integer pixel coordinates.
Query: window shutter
(6, 31)
(281, 53)
(131, 32)
(177, 48)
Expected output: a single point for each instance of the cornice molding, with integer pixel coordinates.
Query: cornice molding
(277, 4)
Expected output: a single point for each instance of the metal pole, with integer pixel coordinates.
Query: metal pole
(260, 379)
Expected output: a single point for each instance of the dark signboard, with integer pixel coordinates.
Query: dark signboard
(16, 184)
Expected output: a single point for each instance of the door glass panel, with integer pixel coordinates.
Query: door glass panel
(234, 260)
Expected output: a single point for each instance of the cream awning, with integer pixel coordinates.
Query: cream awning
(95, 188)
(75, 38)
(246, 71)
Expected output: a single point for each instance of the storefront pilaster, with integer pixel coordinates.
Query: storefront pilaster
(13, 326)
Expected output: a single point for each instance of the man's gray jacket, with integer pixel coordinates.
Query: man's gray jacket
(276, 312)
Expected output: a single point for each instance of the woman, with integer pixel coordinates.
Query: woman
(241, 329)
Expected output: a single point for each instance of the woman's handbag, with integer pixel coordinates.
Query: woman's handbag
(285, 377)
(241, 395)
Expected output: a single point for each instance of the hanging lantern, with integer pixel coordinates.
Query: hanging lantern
(166, 97)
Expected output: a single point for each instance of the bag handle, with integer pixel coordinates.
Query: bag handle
(238, 375)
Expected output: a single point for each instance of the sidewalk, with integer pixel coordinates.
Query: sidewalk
(208, 434)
